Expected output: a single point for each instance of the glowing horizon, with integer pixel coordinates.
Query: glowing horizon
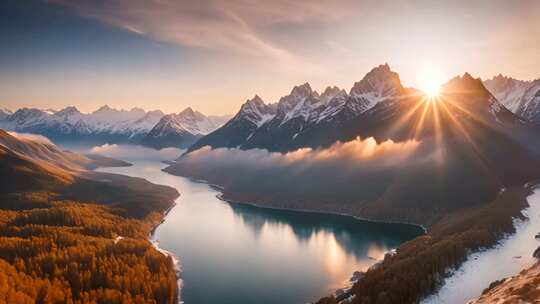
(212, 56)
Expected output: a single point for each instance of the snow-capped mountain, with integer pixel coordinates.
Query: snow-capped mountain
(462, 142)
(290, 123)
(521, 97)
(182, 129)
(252, 115)
(4, 113)
(69, 124)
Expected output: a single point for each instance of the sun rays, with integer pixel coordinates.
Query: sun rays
(449, 120)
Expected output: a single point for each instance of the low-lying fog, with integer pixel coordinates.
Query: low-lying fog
(128, 152)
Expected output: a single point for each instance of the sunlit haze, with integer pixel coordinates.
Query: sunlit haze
(429, 80)
(213, 55)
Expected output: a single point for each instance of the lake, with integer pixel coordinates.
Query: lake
(232, 253)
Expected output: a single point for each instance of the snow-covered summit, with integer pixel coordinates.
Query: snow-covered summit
(262, 125)
(69, 123)
(256, 111)
(182, 129)
(519, 96)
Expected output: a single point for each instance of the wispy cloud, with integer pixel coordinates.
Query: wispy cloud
(129, 152)
(32, 137)
(236, 27)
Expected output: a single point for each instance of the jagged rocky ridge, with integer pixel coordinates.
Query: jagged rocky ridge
(182, 130)
(520, 97)
(304, 117)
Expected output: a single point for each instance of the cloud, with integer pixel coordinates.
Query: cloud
(359, 170)
(239, 27)
(128, 152)
(32, 137)
(357, 152)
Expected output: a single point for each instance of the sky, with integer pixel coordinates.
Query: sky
(213, 55)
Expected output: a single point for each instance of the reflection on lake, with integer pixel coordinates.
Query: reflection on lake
(233, 253)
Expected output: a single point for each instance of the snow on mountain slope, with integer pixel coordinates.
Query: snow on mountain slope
(4, 113)
(182, 129)
(256, 112)
(105, 124)
(521, 97)
(251, 116)
(280, 126)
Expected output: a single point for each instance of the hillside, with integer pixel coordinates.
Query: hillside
(419, 266)
(455, 155)
(40, 149)
(521, 288)
(70, 236)
(437, 162)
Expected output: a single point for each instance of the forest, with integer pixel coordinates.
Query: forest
(419, 266)
(69, 238)
(67, 252)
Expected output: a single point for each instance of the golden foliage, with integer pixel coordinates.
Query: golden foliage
(65, 252)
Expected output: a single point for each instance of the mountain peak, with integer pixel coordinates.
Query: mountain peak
(255, 104)
(380, 80)
(190, 114)
(256, 100)
(464, 84)
(302, 90)
(137, 111)
(331, 92)
(69, 110)
(187, 111)
(104, 108)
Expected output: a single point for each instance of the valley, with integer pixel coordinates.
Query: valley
(292, 183)
(68, 235)
(234, 253)
(269, 152)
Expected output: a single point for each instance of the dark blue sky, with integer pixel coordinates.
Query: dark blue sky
(38, 37)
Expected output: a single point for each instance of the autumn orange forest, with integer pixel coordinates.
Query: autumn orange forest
(269, 152)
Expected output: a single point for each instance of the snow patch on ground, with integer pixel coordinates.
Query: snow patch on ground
(513, 254)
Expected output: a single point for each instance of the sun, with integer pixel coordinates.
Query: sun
(430, 80)
(431, 88)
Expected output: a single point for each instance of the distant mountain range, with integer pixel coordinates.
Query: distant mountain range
(108, 125)
(519, 96)
(182, 130)
(305, 118)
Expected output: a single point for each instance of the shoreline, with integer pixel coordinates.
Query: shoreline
(176, 261)
(219, 196)
(529, 186)
(343, 291)
(358, 218)
(153, 239)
